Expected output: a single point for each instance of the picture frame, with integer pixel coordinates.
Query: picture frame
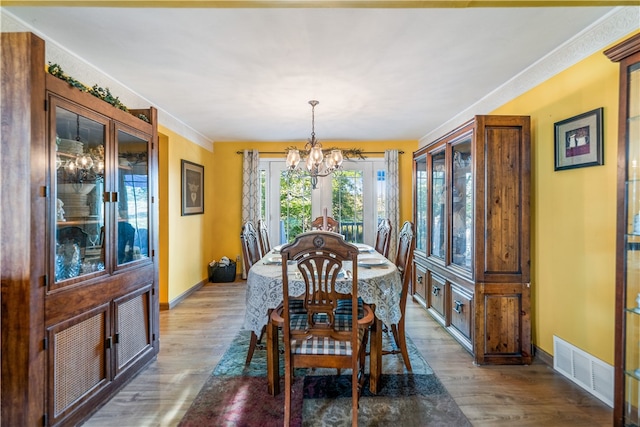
(579, 141)
(192, 188)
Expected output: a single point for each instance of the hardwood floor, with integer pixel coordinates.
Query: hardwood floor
(195, 334)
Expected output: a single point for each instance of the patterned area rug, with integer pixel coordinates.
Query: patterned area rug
(236, 395)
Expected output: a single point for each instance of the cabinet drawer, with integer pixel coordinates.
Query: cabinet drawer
(420, 284)
(461, 310)
(437, 292)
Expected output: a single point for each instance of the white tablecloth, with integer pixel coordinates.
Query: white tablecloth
(376, 285)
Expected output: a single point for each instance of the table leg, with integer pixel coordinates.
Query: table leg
(375, 356)
(273, 359)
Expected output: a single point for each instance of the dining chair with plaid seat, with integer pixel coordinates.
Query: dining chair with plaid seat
(320, 338)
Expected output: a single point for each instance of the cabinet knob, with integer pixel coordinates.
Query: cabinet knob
(419, 279)
(435, 290)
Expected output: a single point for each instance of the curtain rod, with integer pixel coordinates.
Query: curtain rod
(284, 152)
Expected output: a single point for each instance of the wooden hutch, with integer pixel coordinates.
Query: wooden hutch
(471, 212)
(79, 243)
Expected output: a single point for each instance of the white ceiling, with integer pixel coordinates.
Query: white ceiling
(247, 74)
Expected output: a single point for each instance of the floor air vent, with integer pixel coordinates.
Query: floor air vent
(588, 372)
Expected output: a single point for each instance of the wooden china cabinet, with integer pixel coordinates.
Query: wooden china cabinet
(80, 300)
(626, 409)
(471, 212)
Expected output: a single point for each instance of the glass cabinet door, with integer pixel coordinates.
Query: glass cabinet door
(420, 209)
(462, 204)
(77, 194)
(632, 248)
(438, 198)
(132, 214)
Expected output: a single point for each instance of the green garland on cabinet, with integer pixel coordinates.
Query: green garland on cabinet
(100, 93)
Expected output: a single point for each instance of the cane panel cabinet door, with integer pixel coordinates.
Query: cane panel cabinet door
(626, 405)
(471, 210)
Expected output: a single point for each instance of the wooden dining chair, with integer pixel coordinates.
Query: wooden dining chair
(383, 237)
(404, 262)
(251, 249)
(251, 252)
(320, 338)
(332, 224)
(263, 234)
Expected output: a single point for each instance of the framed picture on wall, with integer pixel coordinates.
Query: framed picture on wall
(579, 141)
(192, 188)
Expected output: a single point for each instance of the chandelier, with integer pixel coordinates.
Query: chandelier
(85, 166)
(318, 164)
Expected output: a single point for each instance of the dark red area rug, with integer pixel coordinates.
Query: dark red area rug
(236, 395)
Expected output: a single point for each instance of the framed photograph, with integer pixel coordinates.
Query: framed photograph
(579, 141)
(192, 188)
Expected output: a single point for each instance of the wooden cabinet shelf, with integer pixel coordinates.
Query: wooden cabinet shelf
(471, 210)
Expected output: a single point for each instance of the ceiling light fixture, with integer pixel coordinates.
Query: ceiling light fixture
(315, 167)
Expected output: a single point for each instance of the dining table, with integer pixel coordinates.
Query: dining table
(379, 284)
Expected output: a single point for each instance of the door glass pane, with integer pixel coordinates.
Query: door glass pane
(295, 206)
(632, 252)
(462, 200)
(438, 194)
(381, 195)
(133, 199)
(633, 154)
(421, 204)
(347, 201)
(79, 187)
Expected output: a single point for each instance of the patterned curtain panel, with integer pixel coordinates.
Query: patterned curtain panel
(250, 191)
(393, 194)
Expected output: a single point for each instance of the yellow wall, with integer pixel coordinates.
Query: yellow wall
(189, 243)
(573, 212)
(186, 242)
(227, 176)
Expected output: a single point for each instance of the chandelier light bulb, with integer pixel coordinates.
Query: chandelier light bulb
(84, 162)
(309, 163)
(316, 155)
(329, 163)
(337, 157)
(293, 158)
(99, 166)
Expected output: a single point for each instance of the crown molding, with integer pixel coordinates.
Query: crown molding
(609, 29)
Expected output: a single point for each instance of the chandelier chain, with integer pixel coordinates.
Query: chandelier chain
(313, 119)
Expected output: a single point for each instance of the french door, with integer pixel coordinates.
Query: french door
(354, 196)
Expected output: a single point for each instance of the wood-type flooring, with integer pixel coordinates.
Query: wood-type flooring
(195, 334)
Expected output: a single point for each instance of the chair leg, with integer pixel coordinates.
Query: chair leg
(288, 379)
(363, 350)
(354, 397)
(252, 347)
(273, 359)
(394, 332)
(402, 343)
(255, 340)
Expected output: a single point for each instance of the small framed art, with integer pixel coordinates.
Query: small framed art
(579, 141)
(192, 188)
